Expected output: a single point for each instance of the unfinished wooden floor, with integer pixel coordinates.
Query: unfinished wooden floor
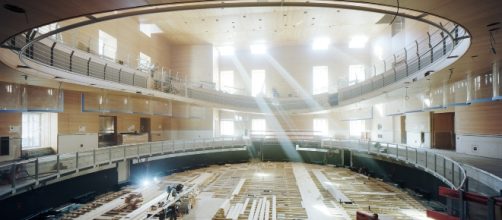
(270, 191)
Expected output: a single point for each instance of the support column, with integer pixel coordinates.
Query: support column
(496, 80)
(123, 171)
(469, 88)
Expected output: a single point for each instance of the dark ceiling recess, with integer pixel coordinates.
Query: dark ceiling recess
(14, 8)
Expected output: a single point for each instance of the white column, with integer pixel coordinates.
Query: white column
(496, 79)
(469, 88)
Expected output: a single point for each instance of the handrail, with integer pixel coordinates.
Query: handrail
(31, 172)
(407, 62)
(396, 151)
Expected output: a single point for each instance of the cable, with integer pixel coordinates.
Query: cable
(397, 13)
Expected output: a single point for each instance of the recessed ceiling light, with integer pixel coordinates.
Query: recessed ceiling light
(149, 29)
(321, 43)
(258, 49)
(358, 41)
(226, 50)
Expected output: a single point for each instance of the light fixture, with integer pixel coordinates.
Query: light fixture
(145, 182)
(226, 50)
(358, 41)
(258, 48)
(149, 29)
(321, 43)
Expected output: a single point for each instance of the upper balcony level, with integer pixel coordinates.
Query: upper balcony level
(81, 61)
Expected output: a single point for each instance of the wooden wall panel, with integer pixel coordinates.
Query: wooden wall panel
(482, 119)
(8, 119)
(127, 123)
(73, 119)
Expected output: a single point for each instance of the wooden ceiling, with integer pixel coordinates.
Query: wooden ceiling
(275, 25)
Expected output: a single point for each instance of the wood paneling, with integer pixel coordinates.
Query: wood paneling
(8, 119)
(73, 119)
(127, 123)
(480, 119)
(443, 134)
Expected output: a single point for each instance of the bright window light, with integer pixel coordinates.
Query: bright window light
(258, 126)
(107, 45)
(356, 74)
(39, 129)
(321, 43)
(321, 127)
(226, 50)
(320, 80)
(356, 128)
(227, 128)
(378, 51)
(144, 62)
(358, 41)
(257, 82)
(258, 49)
(149, 29)
(227, 81)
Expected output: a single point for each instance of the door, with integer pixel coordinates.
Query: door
(144, 127)
(443, 135)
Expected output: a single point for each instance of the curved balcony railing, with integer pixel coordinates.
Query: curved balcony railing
(417, 57)
(34, 172)
(447, 170)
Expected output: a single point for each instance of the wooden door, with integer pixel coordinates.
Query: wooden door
(443, 131)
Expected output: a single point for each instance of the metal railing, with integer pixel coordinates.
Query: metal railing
(442, 167)
(447, 170)
(414, 58)
(34, 172)
(411, 59)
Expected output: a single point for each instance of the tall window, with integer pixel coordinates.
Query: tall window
(39, 130)
(144, 62)
(257, 82)
(227, 81)
(227, 128)
(356, 74)
(320, 79)
(258, 126)
(321, 126)
(356, 128)
(107, 45)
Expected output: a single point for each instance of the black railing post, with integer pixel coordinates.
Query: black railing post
(104, 71)
(120, 74)
(88, 66)
(418, 55)
(71, 60)
(443, 40)
(430, 47)
(52, 53)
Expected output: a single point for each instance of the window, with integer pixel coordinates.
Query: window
(48, 28)
(227, 81)
(144, 62)
(258, 126)
(227, 128)
(107, 45)
(321, 127)
(320, 79)
(356, 128)
(257, 82)
(356, 74)
(39, 130)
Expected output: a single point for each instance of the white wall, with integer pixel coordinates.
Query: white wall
(486, 146)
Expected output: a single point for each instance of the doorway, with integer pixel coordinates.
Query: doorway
(443, 131)
(144, 127)
(107, 135)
